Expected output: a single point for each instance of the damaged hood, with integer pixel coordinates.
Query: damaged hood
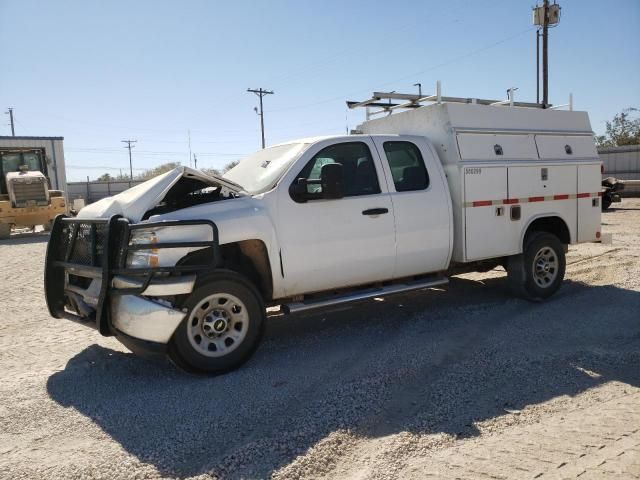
(136, 201)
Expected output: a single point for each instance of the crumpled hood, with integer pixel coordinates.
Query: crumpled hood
(136, 201)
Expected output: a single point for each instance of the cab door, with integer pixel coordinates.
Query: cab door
(332, 243)
(421, 204)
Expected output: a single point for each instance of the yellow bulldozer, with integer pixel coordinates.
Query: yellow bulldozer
(32, 180)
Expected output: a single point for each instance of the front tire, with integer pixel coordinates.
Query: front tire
(537, 273)
(223, 325)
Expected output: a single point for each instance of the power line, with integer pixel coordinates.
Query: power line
(261, 93)
(143, 153)
(129, 146)
(413, 75)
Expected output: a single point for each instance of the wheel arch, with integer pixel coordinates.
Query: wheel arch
(251, 259)
(553, 224)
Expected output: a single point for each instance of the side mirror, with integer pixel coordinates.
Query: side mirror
(298, 190)
(331, 179)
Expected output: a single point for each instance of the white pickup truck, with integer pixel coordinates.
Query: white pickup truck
(186, 264)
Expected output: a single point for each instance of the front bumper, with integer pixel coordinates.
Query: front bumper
(87, 279)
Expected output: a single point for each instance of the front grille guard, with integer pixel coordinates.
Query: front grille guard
(98, 248)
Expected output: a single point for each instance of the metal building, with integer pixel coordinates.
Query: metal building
(622, 163)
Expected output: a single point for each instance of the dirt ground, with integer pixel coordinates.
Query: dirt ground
(463, 381)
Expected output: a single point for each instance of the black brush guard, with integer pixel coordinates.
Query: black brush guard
(82, 249)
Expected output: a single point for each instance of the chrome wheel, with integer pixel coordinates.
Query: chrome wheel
(545, 267)
(218, 324)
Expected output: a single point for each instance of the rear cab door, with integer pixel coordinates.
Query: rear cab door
(421, 204)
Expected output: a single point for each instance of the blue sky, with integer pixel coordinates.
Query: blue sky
(98, 72)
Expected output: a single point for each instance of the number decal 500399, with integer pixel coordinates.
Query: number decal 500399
(472, 171)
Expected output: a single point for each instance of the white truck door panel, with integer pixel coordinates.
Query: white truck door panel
(589, 202)
(422, 215)
(486, 224)
(328, 244)
(565, 147)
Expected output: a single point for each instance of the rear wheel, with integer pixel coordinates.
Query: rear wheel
(223, 325)
(538, 272)
(606, 202)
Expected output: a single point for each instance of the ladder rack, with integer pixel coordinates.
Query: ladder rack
(409, 101)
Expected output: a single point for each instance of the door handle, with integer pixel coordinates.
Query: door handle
(375, 211)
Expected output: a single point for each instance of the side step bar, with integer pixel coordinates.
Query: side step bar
(323, 302)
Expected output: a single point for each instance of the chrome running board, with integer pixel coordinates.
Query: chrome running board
(323, 302)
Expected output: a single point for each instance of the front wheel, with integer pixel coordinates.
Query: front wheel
(538, 272)
(223, 325)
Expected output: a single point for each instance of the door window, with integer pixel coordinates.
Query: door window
(358, 169)
(407, 166)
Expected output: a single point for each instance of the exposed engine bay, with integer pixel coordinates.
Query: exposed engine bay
(188, 192)
(177, 189)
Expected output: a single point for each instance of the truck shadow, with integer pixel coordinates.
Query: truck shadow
(427, 363)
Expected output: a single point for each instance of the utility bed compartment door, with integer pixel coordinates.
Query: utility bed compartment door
(486, 224)
(498, 147)
(558, 147)
(589, 202)
(542, 181)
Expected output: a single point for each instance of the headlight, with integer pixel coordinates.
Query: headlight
(146, 257)
(146, 239)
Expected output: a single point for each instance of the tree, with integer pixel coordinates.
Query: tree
(211, 171)
(622, 130)
(230, 165)
(105, 177)
(159, 170)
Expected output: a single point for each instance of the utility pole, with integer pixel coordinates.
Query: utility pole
(260, 92)
(130, 146)
(538, 65)
(545, 56)
(10, 113)
(195, 161)
(544, 17)
(189, 134)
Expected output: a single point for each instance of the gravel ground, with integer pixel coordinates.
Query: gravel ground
(375, 391)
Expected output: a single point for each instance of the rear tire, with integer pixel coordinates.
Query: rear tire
(538, 272)
(606, 202)
(223, 325)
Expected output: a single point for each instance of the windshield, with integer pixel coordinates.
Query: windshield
(262, 170)
(11, 162)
